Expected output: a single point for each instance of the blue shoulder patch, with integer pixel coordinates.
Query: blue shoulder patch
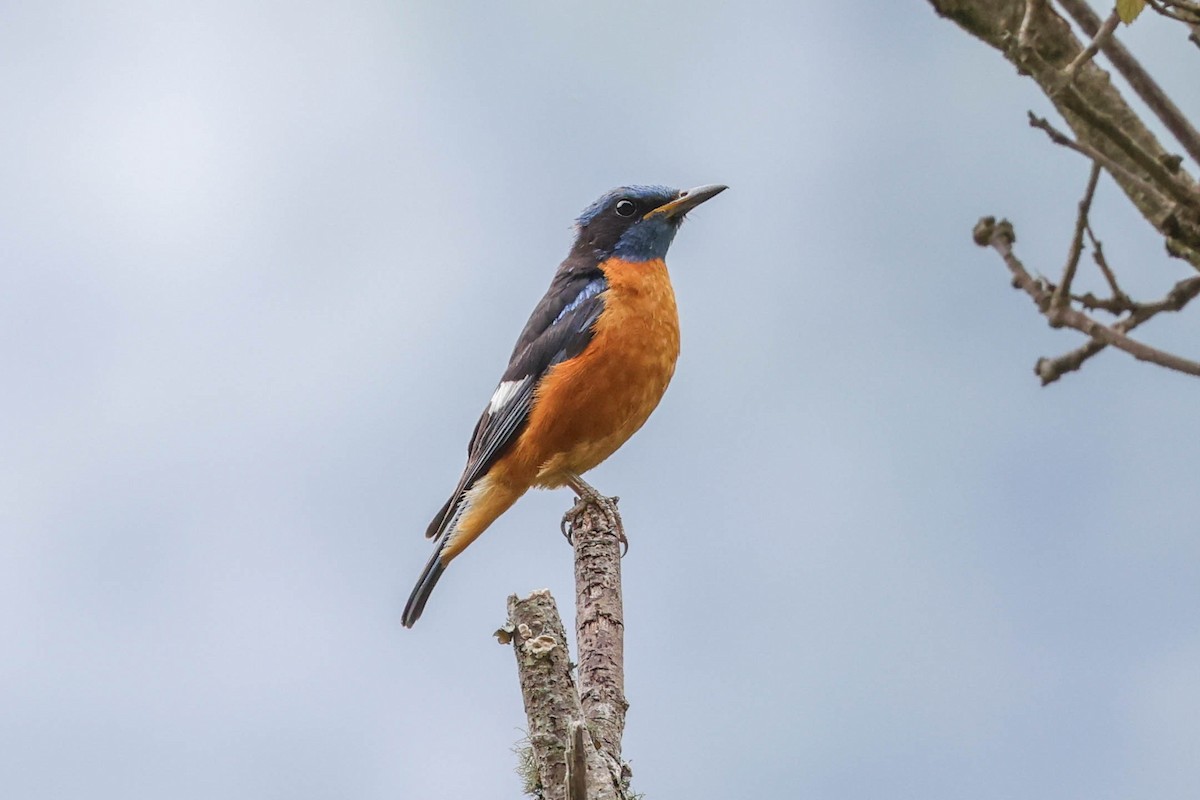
(590, 290)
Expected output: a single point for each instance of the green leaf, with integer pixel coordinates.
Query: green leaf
(1128, 10)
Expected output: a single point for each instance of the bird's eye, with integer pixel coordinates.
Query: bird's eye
(626, 208)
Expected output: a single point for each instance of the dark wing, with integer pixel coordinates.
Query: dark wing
(559, 328)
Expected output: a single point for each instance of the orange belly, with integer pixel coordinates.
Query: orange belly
(589, 406)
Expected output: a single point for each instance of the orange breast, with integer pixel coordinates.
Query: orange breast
(589, 406)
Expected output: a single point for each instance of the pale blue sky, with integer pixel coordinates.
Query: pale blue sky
(262, 264)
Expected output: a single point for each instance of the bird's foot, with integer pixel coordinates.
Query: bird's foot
(588, 496)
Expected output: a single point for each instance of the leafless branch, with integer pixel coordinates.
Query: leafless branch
(1114, 167)
(1099, 117)
(1031, 7)
(600, 630)
(544, 668)
(1099, 39)
(575, 727)
(1156, 168)
(1037, 39)
(1180, 10)
(1140, 80)
(577, 784)
(1176, 248)
(1051, 369)
(1001, 237)
(1062, 294)
(1180, 6)
(1102, 263)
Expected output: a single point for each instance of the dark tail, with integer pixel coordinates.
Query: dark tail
(420, 594)
(439, 529)
(438, 523)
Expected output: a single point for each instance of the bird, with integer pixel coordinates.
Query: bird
(588, 369)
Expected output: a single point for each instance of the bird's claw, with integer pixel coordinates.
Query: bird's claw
(568, 521)
(606, 506)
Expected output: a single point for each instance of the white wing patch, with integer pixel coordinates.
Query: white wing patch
(504, 393)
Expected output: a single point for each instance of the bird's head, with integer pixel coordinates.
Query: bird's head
(637, 223)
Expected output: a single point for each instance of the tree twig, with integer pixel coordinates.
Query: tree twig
(1104, 122)
(1180, 10)
(1000, 237)
(1036, 38)
(1115, 168)
(1177, 248)
(1099, 39)
(1024, 39)
(1146, 87)
(1051, 369)
(1153, 167)
(1102, 264)
(1062, 294)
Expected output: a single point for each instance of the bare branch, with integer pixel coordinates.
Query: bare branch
(1031, 7)
(575, 730)
(1051, 369)
(1102, 263)
(1156, 168)
(1180, 10)
(1180, 295)
(600, 629)
(1140, 80)
(1104, 122)
(1035, 37)
(1000, 237)
(1099, 39)
(1115, 168)
(551, 700)
(1189, 7)
(1025, 34)
(1177, 248)
(1142, 352)
(1062, 294)
(577, 784)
